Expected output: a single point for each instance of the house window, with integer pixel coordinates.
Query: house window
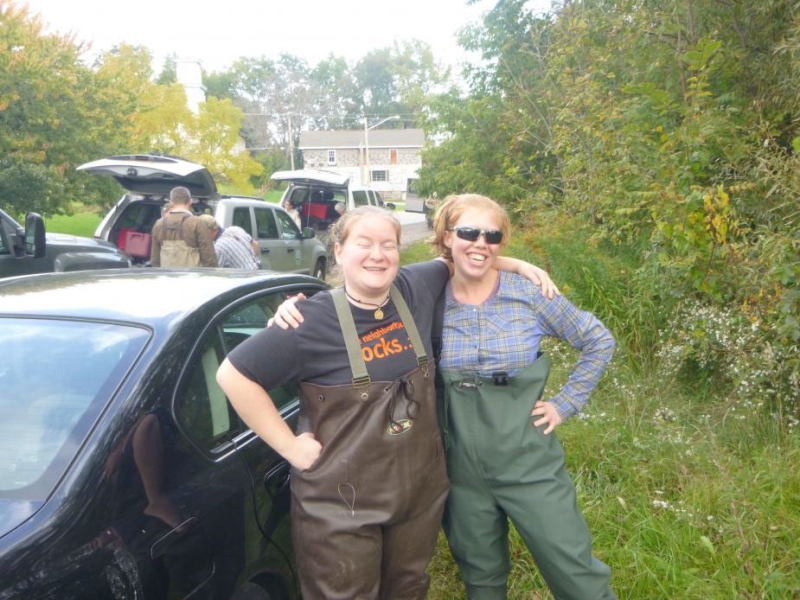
(331, 157)
(394, 157)
(380, 175)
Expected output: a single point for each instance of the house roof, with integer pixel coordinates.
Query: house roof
(353, 138)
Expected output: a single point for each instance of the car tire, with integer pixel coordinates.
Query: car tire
(319, 269)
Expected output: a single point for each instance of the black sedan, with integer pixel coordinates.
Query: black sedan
(124, 471)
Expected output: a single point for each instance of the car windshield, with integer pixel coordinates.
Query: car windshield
(56, 376)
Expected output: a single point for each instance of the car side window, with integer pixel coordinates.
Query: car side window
(289, 230)
(140, 216)
(360, 198)
(266, 228)
(249, 320)
(241, 218)
(201, 408)
(5, 247)
(299, 195)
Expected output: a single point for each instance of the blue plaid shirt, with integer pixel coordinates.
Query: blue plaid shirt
(503, 334)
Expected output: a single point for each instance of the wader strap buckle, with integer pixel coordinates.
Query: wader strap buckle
(500, 378)
(468, 385)
(359, 381)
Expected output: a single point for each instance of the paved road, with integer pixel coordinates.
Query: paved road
(414, 232)
(414, 227)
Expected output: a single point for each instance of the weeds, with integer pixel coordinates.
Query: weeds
(686, 465)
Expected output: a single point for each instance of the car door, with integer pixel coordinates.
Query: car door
(298, 248)
(6, 252)
(360, 198)
(235, 500)
(246, 484)
(280, 256)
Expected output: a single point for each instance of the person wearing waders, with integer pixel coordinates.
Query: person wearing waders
(503, 458)
(368, 480)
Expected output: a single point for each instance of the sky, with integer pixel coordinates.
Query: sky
(218, 32)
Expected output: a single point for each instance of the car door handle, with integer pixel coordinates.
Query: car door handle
(160, 546)
(265, 251)
(277, 479)
(290, 250)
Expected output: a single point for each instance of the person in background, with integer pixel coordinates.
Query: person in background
(368, 479)
(503, 458)
(235, 248)
(290, 208)
(179, 238)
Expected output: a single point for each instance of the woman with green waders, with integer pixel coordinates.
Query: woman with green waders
(503, 458)
(369, 479)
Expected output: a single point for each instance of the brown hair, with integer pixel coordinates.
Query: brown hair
(180, 195)
(450, 211)
(341, 228)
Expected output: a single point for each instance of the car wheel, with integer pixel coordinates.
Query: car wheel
(319, 269)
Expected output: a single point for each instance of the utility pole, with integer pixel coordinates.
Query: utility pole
(291, 143)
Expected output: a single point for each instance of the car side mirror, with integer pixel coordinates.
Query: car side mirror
(390, 206)
(308, 233)
(35, 244)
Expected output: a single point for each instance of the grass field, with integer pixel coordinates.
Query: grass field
(83, 221)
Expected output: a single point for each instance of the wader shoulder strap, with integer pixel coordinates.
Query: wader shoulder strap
(348, 325)
(176, 227)
(352, 343)
(408, 323)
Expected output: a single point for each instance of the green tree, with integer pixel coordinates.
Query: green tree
(169, 71)
(48, 122)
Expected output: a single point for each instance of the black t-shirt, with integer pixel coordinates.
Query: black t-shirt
(316, 352)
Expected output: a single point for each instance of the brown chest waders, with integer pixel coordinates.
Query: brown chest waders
(366, 515)
(501, 467)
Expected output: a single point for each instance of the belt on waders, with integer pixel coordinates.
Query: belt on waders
(519, 387)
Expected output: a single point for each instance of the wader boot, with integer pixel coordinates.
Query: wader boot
(366, 515)
(502, 467)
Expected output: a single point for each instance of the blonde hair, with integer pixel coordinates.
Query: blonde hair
(449, 212)
(342, 227)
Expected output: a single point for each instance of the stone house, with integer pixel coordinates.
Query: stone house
(385, 161)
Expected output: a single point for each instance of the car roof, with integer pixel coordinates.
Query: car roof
(311, 176)
(142, 296)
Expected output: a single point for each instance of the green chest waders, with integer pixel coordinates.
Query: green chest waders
(501, 467)
(366, 515)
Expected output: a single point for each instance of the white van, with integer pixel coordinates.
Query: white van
(315, 194)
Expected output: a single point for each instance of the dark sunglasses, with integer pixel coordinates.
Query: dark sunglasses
(471, 234)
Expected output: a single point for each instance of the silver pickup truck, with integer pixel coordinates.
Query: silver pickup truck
(30, 250)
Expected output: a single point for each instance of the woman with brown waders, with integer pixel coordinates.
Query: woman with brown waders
(369, 480)
(503, 458)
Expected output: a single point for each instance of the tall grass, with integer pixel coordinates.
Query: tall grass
(690, 492)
